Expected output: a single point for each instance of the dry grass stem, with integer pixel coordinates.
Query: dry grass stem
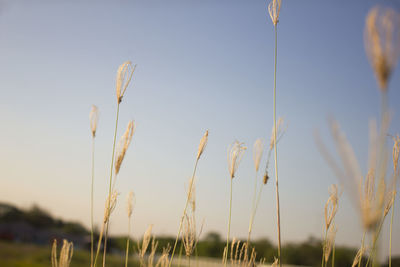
(124, 76)
(258, 149)
(123, 145)
(94, 117)
(274, 8)
(235, 154)
(202, 145)
(382, 38)
(358, 257)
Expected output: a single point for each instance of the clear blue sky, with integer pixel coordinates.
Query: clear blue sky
(201, 65)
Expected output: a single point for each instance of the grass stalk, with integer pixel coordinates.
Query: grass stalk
(276, 152)
(390, 234)
(333, 255)
(253, 210)
(91, 208)
(99, 244)
(323, 248)
(184, 211)
(362, 246)
(229, 225)
(127, 242)
(374, 242)
(110, 184)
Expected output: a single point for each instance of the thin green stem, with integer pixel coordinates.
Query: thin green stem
(229, 225)
(110, 184)
(91, 207)
(127, 242)
(276, 153)
(184, 211)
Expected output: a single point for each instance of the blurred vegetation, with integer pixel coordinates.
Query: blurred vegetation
(28, 255)
(16, 254)
(38, 218)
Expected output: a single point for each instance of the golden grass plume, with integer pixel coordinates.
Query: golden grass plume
(382, 40)
(94, 117)
(124, 76)
(235, 154)
(123, 145)
(274, 9)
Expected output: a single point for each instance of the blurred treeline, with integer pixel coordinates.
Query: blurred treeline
(36, 226)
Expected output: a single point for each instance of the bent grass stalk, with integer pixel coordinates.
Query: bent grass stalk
(202, 146)
(184, 211)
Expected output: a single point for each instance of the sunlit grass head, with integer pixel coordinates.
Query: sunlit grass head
(124, 76)
(382, 39)
(235, 154)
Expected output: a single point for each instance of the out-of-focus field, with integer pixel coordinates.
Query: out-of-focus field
(26, 255)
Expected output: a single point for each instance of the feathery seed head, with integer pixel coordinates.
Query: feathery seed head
(111, 202)
(274, 8)
(124, 76)
(203, 144)
(331, 206)
(123, 145)
(389, 200)
(235, 154)
(382, 38)
(163, 261)
(258, 149)
(94, 117)
(66, 253)
(130, 202)
(145, 242)
(372, 201)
